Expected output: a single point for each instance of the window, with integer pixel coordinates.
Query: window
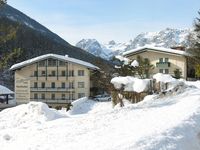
(81, 95)
(42, 63)
(160, 59)
(146, 60)
(53, 85)
(43, 84)
(63, 73)
(63, 96)
(53, 73)
(166, 71)
(166, 59)
(52, 96)
(163, 59)
(35, 73)
(80, 84)
(51, 62)
(72, 96)
(35, 96)
(42, 96)
(43, 73)
(35, 85)
(63, 84)
(71, 85)
(61, 63)
(80, 72)
(67, 96)
(71, 73)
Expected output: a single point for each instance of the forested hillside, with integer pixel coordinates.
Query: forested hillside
(20, 41)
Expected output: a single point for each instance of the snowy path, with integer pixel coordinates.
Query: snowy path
(168, 123)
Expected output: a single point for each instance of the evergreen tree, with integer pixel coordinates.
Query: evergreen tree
(197, 71)
(2, 2)
(101, 82)
(122, 68)
(195, 49)
(126, 69)
(177, 73)
(197, 30)
(8, 55)
(144, 67)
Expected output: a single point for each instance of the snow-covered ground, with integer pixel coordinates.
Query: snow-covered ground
(170, 122)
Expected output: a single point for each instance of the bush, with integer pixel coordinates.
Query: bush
(177, 74)
(197, 71)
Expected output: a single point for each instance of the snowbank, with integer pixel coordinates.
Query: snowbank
(33, 112)
(165, 78)
(131, 83)
(81, 106)
(193, 83)
(157, 123)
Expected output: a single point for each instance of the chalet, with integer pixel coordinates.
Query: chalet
(164, 60)
(54, 79)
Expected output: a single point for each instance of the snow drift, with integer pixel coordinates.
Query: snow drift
(33, 112)
(156, 123)
(81, 106)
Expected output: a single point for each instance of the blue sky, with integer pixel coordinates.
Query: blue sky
(104, 20)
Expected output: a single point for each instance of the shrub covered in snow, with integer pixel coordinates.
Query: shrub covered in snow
(131, 84)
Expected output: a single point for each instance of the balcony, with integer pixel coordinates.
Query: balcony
(163, 64)
(57, 101)
(50, 89)
(52, 76)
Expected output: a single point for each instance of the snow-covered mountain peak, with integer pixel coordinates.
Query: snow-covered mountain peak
(88, 43)
(112, 42)
(167, 38)
(95, 48)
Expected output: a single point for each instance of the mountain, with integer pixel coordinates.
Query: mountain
(22, 38)
(19, 17)
(94, 47)
(164, 38)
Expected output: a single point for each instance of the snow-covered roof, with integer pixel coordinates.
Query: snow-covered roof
(135, 63)
(55, 56)
(165, 78)
(158, 49)
(5, 90)
(123, 59)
